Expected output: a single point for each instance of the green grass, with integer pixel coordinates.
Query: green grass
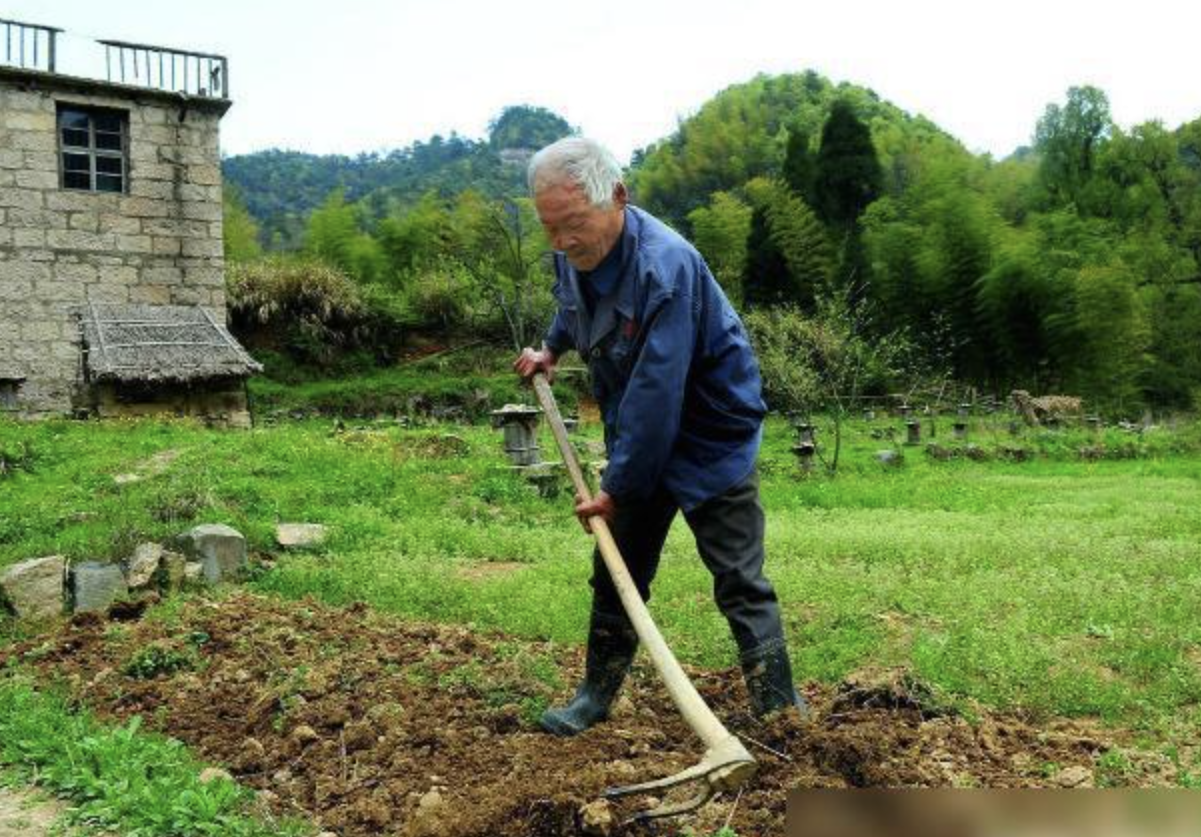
(1059, 585)
(118, 777)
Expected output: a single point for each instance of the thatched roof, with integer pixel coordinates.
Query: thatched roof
(168, 343)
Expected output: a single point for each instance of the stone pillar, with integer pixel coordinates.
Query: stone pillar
(520, 425)
(913, 429)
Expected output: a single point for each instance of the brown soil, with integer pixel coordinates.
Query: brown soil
(371, 725)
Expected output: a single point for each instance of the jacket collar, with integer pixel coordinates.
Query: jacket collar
(604, 319)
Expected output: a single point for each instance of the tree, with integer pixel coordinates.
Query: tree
(849, 176)
(1068, 140)
(788, 252)
(239, 231)
(720, 232)
(526, 126)
(500, 243)
(334, 236)
(800, 165)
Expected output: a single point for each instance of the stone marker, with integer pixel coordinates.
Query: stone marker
(34, 588)
(889, 457)
(219, 549)
(142, 566)
(95, 586)
(300, 535)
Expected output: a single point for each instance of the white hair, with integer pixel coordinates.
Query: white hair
(581, 161)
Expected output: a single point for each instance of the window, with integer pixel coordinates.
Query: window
(92, 146)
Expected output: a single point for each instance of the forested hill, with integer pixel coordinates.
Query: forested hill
(281, 188)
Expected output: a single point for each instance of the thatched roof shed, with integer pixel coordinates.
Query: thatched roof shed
(160, 343)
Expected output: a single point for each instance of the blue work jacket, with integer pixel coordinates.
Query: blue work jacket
(671, 366)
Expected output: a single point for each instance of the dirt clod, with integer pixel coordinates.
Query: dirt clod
(597, 820)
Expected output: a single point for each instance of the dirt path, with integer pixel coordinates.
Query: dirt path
(25, 814)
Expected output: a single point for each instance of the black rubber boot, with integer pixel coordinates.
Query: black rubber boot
(612, 644)
(768, 674)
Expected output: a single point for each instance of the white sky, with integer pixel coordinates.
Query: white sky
(367, 75)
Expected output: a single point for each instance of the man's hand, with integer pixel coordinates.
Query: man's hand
(601, 505)
(532, 361)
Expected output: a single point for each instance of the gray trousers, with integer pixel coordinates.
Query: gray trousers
(729, 537)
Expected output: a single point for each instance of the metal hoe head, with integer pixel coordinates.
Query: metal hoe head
(725, 766)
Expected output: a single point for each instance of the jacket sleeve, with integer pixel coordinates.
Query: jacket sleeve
(648, 418)
(559, 337)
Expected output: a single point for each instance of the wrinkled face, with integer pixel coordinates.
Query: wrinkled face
(583, 232)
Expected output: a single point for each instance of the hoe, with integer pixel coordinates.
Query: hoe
(726, 764)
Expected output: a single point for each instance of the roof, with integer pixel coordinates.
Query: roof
(160, 343)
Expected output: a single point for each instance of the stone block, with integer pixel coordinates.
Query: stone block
(108, 293)
(220, 550)
(162, 275)
(40, 219)
(81, 202)
(144, 208)
(202, 211)
(11, 159)
(166, 246)
(40, 161)
(204, 175)
(143, 565)
(134, 243)
(32, 141)
(95, 586)
(21, 198)
(35, 588)
(162, 190)
(36, 120)
(37, 179)
(86, 221)
(202, 248)
(27, 238)
(300, 535)
(81, 273)
(42, 331)
(114, 223)
(79, 240)
(150, 294)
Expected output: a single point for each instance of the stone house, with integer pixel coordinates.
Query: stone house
(112, 293)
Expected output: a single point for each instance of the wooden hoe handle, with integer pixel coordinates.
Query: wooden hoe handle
(726, 764)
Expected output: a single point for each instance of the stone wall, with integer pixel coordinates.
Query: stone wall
(159, 243)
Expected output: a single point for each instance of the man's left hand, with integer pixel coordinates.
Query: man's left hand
(601, 505)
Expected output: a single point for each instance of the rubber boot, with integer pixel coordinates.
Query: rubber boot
(768, 674)
(612, 644)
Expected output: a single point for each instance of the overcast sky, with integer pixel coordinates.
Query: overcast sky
(369, 75)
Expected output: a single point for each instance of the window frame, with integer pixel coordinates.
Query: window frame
(92, 151)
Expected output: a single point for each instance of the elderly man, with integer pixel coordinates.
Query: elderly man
(679, 390)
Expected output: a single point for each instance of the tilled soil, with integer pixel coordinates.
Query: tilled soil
(372, 725)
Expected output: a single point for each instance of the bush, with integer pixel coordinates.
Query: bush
(311, 311)
(439, 297)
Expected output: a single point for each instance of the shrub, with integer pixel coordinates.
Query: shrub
(310, 310)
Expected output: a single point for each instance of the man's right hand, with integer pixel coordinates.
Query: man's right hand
(532, 361)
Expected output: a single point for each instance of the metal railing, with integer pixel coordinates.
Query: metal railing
(28, 46)
(163, 68)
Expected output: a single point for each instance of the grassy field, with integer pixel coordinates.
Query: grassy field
(1061, 585)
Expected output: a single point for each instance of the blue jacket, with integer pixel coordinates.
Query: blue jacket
(672, 368)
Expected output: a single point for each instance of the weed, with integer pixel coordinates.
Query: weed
(158, 659)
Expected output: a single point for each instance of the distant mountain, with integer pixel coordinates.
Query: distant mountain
(281, 188)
